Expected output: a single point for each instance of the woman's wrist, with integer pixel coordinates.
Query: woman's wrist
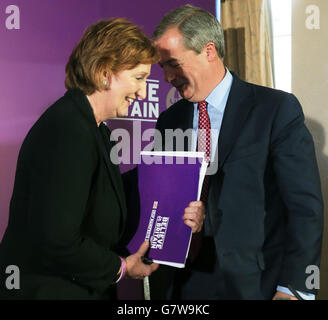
(122, 270)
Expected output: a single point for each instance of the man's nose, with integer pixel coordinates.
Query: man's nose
(168, 75)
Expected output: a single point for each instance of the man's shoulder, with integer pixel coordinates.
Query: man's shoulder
(264, 93)
(275, 101)
(179, 106)
(176, 110)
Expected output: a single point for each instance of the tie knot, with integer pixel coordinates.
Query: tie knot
(202, 106)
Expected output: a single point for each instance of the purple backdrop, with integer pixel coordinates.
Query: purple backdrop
(33, 59)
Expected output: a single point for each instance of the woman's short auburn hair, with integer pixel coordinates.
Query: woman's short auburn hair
(110, 45)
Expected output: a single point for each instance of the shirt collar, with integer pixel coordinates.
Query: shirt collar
(217, 95)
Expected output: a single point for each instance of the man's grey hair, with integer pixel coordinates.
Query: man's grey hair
(197, 26)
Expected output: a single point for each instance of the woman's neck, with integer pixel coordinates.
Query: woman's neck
(97, 103)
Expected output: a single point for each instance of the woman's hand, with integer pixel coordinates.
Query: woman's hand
(135, 268)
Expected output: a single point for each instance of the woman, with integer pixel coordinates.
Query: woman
(67, 212)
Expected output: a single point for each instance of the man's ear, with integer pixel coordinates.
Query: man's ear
(211, 52)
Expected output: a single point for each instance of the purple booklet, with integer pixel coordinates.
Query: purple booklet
(168, 182)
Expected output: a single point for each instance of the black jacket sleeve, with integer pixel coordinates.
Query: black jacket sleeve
(61, 160)
(298, 179)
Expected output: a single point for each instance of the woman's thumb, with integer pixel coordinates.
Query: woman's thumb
(143, 248)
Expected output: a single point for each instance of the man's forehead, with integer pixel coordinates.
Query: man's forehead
(170, 47)
(171, 39)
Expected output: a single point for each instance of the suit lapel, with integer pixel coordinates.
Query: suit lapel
(84, 107)
(187, 115)
(239, 104)
(113, 169)
(185, 121)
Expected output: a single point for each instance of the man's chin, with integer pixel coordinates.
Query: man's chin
(189, 97)
(185, 94)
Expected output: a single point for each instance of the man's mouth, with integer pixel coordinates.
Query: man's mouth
(180, 86)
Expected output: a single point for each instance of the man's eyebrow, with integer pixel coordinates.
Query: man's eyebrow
(162, 64)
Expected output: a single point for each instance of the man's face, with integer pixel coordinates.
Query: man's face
(183, 68)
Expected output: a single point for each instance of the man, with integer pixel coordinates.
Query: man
(264, 216)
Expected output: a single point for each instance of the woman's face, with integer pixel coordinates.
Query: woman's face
(125, 87)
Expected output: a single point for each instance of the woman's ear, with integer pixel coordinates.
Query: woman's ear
(105, 80)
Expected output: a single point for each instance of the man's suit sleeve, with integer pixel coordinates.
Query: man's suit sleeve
(296, 171)
(63, 163)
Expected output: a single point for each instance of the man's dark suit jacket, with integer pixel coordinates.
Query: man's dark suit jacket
(265, 207)
(67, 210)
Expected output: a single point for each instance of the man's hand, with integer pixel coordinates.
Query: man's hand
(194, 216)
(283, 296)
(135, 268)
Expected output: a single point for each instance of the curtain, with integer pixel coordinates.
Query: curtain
(248, 39)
